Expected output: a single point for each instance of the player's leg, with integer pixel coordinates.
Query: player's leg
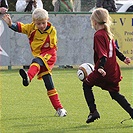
(89, 97)
(32, 71)
(53, 95)
(122, 102)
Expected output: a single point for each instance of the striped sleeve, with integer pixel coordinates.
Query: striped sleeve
(14, 27)
(23, 28)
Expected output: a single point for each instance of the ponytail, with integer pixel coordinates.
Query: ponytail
(107, 29)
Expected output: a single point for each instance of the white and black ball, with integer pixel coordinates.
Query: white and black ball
(84, 70)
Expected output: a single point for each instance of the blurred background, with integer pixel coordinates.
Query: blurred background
(83, 5)
(86, 5)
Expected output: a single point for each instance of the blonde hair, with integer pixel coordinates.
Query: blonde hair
(39, 14)
(102, 17)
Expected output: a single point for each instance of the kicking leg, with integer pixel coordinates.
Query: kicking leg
(32, 71)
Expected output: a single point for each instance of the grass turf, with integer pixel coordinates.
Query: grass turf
(28, 109)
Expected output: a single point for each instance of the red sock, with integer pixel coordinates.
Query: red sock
(33, 70)
(53, 96)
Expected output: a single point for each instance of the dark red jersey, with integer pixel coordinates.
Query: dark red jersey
(103, 46)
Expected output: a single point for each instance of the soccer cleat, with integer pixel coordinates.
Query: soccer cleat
(25, 77)
(61, 112)
(92, 117)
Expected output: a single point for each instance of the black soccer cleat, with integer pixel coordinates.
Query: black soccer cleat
(25, 77)
(92, 117)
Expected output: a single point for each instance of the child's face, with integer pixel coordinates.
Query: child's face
(41, 24)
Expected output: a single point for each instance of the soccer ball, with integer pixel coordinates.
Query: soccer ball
(84, 70)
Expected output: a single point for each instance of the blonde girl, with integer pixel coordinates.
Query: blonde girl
(107, 73)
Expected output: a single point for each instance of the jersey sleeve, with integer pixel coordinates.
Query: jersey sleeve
(24, 28)
(120, 55)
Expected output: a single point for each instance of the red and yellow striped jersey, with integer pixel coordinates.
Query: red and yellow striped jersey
(39, 42)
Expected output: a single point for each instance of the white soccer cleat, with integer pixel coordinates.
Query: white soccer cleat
(61, 112)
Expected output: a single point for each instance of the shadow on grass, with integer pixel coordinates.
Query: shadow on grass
(81, 128)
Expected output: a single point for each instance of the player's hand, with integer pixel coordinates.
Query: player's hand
(3, 10)
(127, 60)
(7, 19)
(101, 71)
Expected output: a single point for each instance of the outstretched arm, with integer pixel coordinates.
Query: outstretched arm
(126, 60)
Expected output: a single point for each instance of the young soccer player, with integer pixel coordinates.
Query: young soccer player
(107, 73)
(43, 42)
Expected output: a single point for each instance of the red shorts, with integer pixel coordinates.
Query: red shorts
(96, 79)
(49, 59)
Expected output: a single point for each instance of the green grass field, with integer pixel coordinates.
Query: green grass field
(28, 110)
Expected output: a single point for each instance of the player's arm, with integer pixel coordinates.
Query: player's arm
(101, 66)
(121, 56)
(102, 62)
(14, 27)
